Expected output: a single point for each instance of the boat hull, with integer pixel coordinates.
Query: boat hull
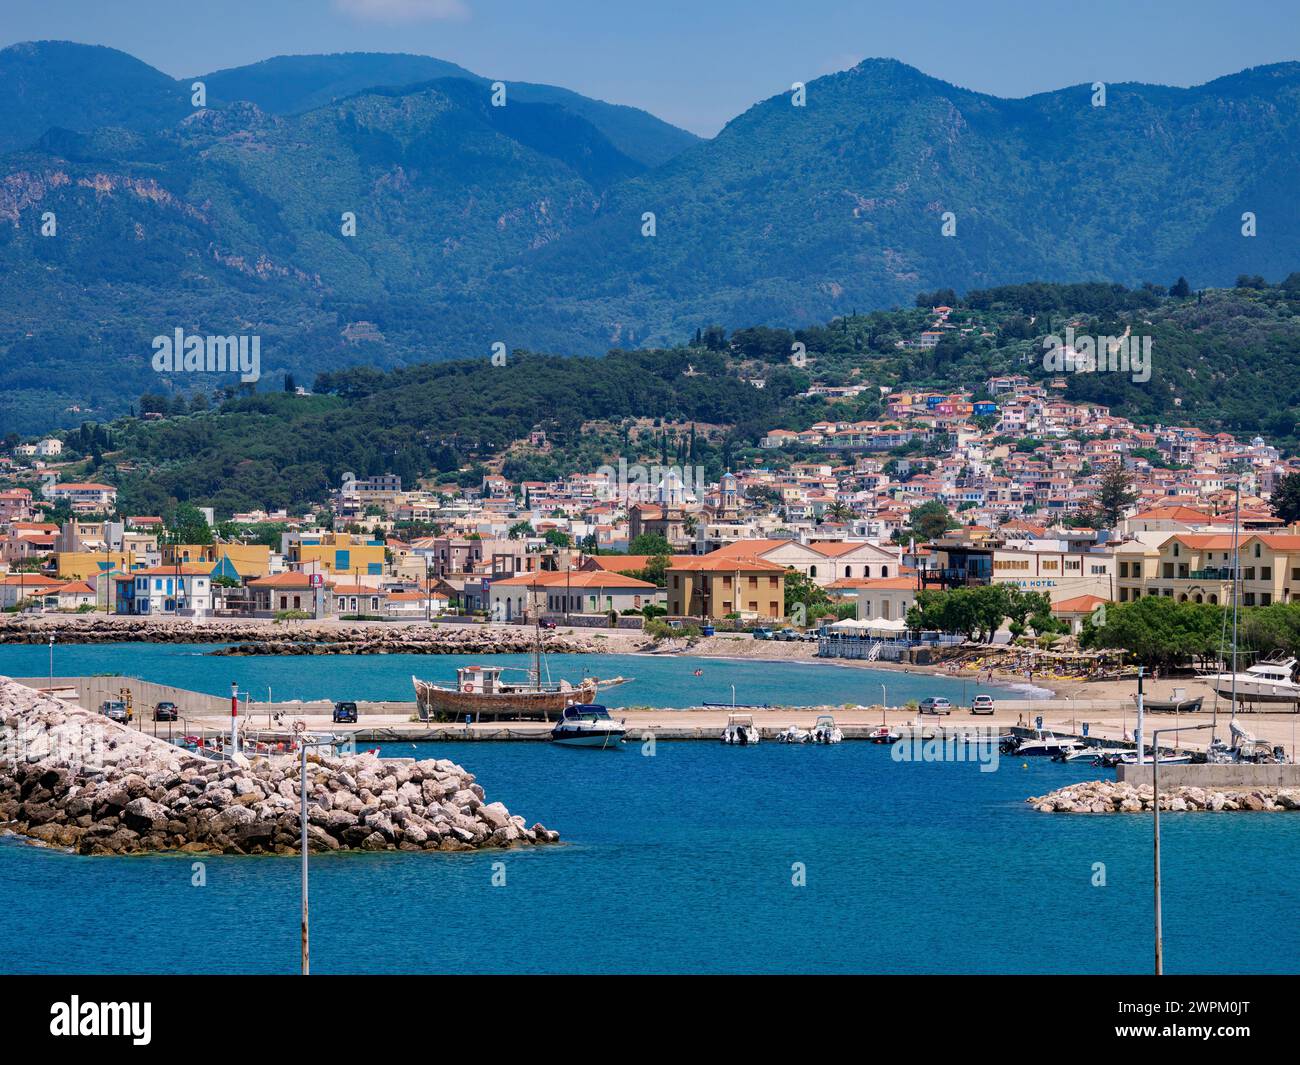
(1170, 706)
(604, 739)
(436, 703)
(1248, 692)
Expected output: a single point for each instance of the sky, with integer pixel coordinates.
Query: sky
(699, 63)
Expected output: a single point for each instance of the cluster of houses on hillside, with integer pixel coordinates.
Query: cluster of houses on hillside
(1014, 470)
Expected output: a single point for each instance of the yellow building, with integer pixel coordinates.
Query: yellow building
(87, 565)
(710, 586)
(339, 553)
(1197, 568)
(251, 560)
(1137, 562)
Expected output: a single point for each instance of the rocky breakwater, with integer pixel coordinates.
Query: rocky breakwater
(266, 637)
(1108, 796)
(73, 779)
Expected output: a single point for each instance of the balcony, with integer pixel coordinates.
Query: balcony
(1208, 575)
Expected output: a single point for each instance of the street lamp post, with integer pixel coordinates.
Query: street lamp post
(300, 730)
(1155, 809)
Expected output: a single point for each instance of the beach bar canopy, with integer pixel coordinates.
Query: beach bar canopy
(879, 625)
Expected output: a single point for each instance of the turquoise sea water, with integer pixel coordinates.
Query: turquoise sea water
(680, 862)
(683, 862)
(658, 681)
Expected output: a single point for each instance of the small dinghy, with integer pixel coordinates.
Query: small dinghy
(794, 734)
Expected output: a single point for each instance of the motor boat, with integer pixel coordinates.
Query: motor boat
(794, 734)
(588, 725)
(740, 730)
(1244, 748)
(883, 734)
(1040, 745)
(1166, 758)
(825, 730)
(1089, 754)
(1264, 682)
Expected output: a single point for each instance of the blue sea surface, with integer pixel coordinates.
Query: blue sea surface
(659, 681)
(689, 861)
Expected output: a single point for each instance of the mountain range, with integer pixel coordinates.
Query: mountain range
(562, 223)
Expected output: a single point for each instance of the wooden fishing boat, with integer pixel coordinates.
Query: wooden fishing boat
(482, 694)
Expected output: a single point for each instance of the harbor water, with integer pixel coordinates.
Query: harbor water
(701, 858)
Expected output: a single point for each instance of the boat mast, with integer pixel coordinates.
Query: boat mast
(537, 642)
(1236, 576)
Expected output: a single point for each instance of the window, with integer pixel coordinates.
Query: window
(1123, 569)
(1266, 573)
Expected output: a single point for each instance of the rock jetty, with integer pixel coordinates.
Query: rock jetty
(1109, 797)
(296, 637)
(73, 779)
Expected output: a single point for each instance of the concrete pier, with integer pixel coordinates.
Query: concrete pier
(1242, 775)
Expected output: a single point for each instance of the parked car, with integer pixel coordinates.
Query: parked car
(548, 623)
(345, 713)
(166, 711)
(936, 704)
(787, 634)
(810, 636)
(114, 710)
(763, 634)
(982, 704)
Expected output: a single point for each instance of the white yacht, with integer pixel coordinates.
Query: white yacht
(588, 725)
(1264, 682)
(740, 730)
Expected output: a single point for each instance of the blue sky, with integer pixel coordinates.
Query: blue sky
(698, 63)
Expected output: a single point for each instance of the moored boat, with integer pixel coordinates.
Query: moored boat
(1040, 745)
(793, 734)
(883, 734)
(740, 730)
(588, 725)
(825, 730)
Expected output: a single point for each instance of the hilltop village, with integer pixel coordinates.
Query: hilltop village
(1023, 488)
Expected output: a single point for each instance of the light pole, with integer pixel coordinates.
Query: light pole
(1155, 808)
(234, 718)
(300, 730)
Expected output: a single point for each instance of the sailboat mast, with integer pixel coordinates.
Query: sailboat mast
(1236, 577)
(537, 642)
